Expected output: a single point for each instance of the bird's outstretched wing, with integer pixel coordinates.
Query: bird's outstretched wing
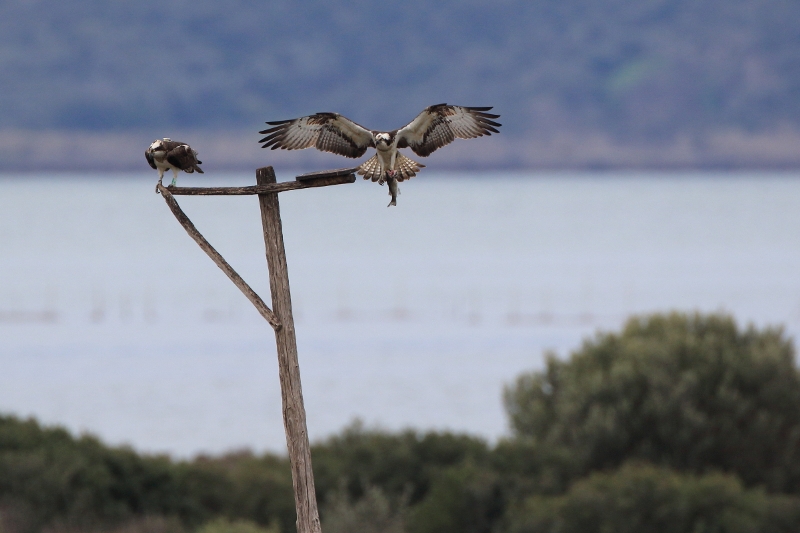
(439, 125)
(329, 132)
(182, 156)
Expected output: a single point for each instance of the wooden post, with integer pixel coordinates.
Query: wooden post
(294, 413)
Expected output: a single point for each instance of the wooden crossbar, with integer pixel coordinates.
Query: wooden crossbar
(281, 320)
(301, 183)
(215, 256)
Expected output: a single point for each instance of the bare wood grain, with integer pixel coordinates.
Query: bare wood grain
(237, 280)
(294, 413)
(263, 189)
(334, 173)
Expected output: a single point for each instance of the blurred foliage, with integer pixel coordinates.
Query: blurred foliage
(638, 498)
(634, 69)
(678, 423)
(691, 392)
(402, 465)
(462, 499)
(51, 479)
(374, 512)
(47, 477)
(223, 525)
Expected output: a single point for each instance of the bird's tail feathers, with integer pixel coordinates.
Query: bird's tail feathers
(370, 169)
(405, 167)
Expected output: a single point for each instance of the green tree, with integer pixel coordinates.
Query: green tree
(420, 482)
(462, 499)
(638, 498)
(50, 479)
(402, 465)
(693, 392)
(374, 512)
(239, 486)
(223, 525)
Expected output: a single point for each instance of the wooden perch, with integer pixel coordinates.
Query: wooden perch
(294, 411)
(306, 181)
(320, 174)
(237, 280)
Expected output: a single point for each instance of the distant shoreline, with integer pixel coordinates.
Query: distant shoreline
(22, 150)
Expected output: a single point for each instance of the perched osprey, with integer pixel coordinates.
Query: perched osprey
(437, 126)
(173, 155)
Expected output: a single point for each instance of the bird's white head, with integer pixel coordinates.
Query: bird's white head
(383, 139)
(157, 148)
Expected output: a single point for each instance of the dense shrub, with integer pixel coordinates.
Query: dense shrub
(373, 512)
(639, 498)
(46, 475)
(679, 423)
(402, 465)
(462, 499)
(223, 525)
(49, 478)
(691, 392)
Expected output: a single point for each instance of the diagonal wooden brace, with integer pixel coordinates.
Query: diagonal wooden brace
(237, 280)
(294, 413)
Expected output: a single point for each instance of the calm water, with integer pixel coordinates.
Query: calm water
(113, 321)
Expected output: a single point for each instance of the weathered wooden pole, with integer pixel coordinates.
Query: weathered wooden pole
(294, 412)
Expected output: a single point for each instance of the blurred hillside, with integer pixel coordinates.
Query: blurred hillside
(637, 83)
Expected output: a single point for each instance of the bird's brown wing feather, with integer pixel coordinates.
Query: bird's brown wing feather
(329, 132)
(439, 125)
(183, 157)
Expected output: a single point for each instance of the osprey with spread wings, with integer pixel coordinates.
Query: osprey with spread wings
(437, 126)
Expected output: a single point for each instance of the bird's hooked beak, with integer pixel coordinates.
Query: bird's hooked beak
(157, 149)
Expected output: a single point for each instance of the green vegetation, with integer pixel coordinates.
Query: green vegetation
(690, 392)
(678, 423)
(372, 513)
(634, 69)
(48, 478)
(223, 525)
(639, 498)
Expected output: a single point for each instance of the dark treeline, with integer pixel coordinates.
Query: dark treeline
(678, 423)
(632, 69)
(579, 84)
